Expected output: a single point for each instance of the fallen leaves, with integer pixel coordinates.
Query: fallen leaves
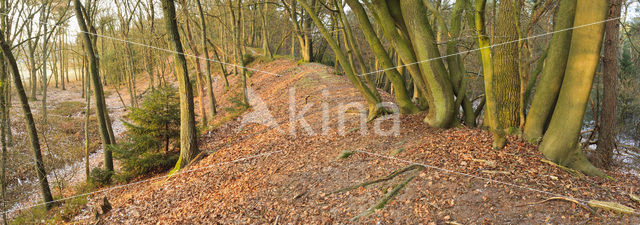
(293, 186)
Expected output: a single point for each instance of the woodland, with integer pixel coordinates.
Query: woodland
(208, 111)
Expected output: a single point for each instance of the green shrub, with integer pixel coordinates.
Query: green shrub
(100, 177)
(248, 58)
(153, 129)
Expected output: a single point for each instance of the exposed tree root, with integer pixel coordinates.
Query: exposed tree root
(613, 206)
(571, 171)
(382, 179)
(396, 151)
(635, 198)
(384, 200)
(344, 154)
(563, 199)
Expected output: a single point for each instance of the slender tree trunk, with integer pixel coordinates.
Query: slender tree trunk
(63, 64)
(188, 136)
(30, 122)
(265, 33)
(99, 93)
(87, 170)
(33, 80)
(54, 60)
(372, 100)
(403, 99)
(205, 49)
(198, 67)
(607, 131)
(491, 116)
(3, 134)
(7, 96)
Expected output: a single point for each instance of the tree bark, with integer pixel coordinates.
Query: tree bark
(98, 92)
(493, 121)
(205, 49)
(506, 77)
(607, 131)
(30, 123)
(198, 67)
(188, 136)
(560, 142)
(433, 70)
(372, 100)
(553, 72)
(403, 99)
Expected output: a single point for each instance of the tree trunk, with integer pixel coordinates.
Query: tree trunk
(607, 131)
(63, 64)
(553, 72)
(493, 121)
(188, 136)
(560, 142)
(99, 93)
(265, 33)
(205, 49)
(33, 81)
(3, 134)
(198, 67)
(506, 76)
(87, 170)
(372, 100)
(30, 123)
(433, 70)
(403, 99)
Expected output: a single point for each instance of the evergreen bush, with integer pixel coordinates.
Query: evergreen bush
(153, 130)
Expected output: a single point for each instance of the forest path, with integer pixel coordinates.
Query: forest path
(259, 174)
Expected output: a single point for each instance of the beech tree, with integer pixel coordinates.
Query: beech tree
(560, 143)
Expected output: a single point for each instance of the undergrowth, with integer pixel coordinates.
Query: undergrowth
(152, 136)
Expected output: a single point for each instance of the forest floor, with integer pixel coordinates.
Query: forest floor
(62, 142)
(259, 174)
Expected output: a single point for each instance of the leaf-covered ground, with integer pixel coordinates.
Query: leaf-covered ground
(295, 184)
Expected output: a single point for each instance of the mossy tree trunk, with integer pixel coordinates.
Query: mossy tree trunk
(434, 73)
(101, 107)
(553, 72)
(491, 116)
(456, 65)
(403, 99)
(188, 136)
(506, 76)
(560, 142)
(29, 121)
(372, 100)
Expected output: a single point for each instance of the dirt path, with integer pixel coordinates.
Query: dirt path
(259, 174)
